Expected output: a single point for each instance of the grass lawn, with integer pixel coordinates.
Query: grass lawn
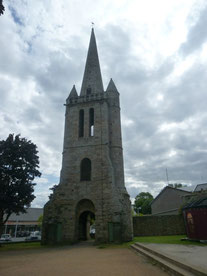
(27, 245)
(167, 239)
(154, 239)
(149, 239)
(20, 246)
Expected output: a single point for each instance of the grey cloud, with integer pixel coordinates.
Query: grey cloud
(197, 34)
(187, 97)
(144, 143)
(15, 16)
(31, 115)
(58, 75)
(134, 191)
(146, 148)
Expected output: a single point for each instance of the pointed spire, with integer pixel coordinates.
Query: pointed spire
(73, 94)
(111, 87)
(92, 80)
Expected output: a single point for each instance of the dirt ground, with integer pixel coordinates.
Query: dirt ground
(82, 259)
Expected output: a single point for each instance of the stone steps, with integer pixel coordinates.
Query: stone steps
(174, 267)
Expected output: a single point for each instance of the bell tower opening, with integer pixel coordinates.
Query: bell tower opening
(81, 123)
(91, 122)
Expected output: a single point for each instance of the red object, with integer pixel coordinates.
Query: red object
(195, 215)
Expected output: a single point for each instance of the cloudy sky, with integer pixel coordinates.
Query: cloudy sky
(155, 51)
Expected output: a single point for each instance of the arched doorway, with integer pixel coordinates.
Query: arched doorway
(85, 220)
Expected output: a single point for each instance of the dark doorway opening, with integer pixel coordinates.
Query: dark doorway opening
(86, 226)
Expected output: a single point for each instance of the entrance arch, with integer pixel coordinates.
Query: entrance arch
(85, 218)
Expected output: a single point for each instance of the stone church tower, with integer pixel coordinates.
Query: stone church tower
(91, 193)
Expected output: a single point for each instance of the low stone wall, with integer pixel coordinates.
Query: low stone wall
(159, 225)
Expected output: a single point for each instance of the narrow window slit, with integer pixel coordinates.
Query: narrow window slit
(91, 122)
(81, 123)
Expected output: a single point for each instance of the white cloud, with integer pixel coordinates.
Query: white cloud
(154, 50)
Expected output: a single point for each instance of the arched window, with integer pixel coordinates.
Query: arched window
(81, 123)
(91, 122)
(85, 170)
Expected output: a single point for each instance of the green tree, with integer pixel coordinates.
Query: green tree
(142, 203)
(40, 220)
(53, 191)
(176, 185)
(1, 7)
(18, 168)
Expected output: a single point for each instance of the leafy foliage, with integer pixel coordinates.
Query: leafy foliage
(53, 191)
(176, 185)
(1, 7)
(142, 203)
(40, 220)
(18, 168)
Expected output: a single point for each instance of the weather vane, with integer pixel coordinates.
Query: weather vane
(92, 24)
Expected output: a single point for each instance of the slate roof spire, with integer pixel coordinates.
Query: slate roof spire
(92, 80)
(112, 87)
(73, 94)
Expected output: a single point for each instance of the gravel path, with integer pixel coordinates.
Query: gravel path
(79, 260)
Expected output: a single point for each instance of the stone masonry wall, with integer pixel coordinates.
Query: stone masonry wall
(104, 189)
(158, 225)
